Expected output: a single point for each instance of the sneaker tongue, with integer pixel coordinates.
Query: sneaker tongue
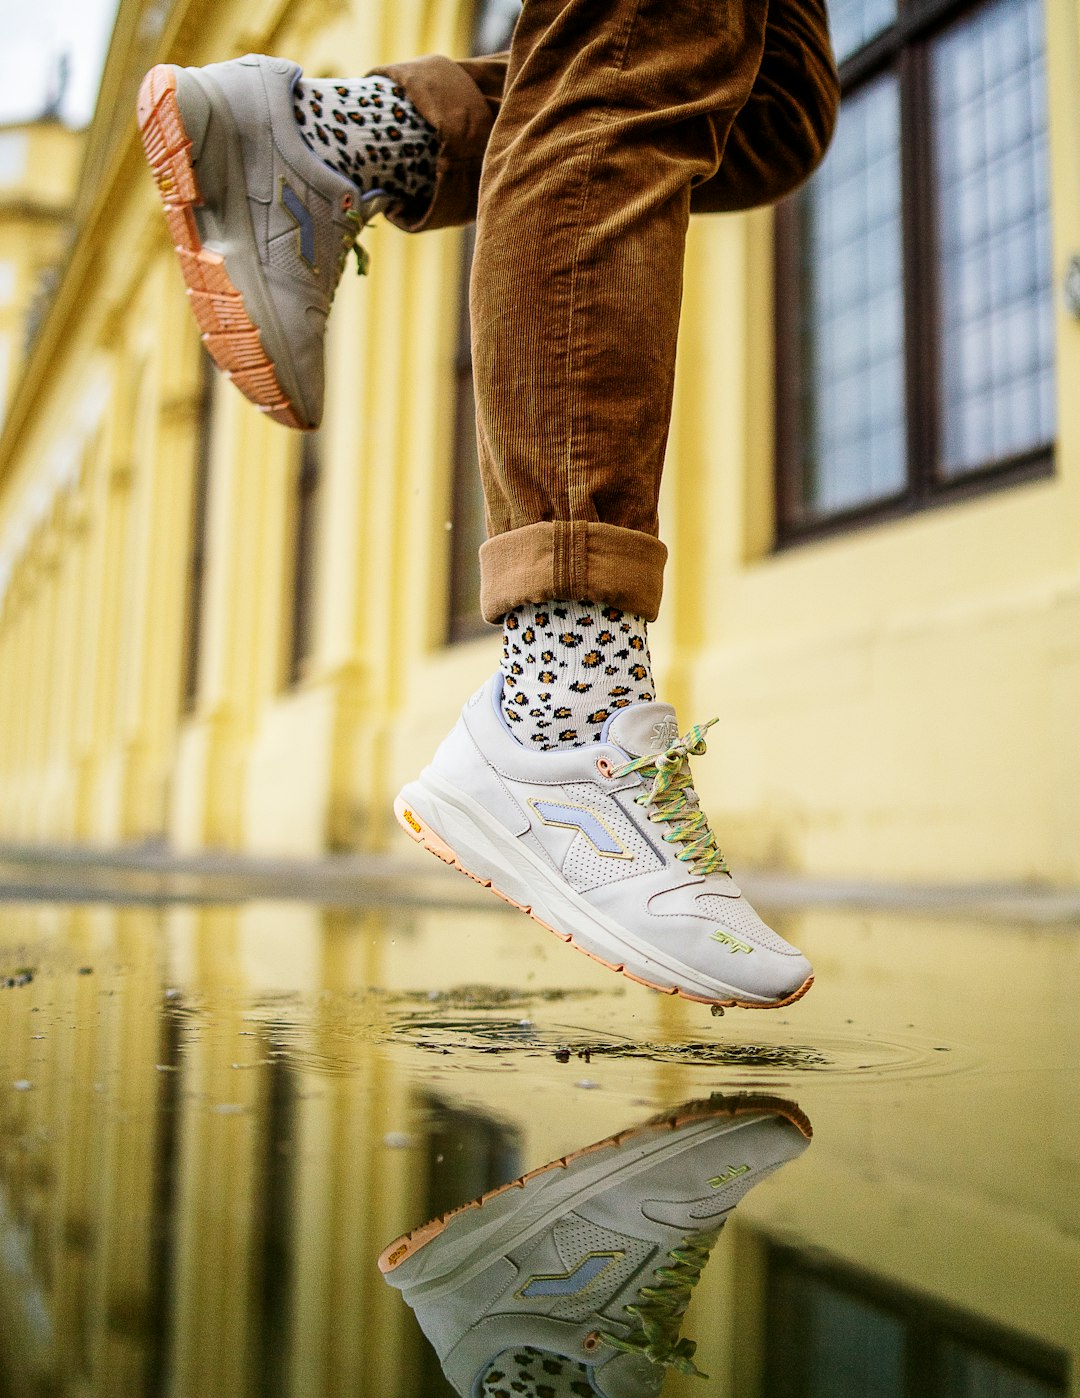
(642, 729)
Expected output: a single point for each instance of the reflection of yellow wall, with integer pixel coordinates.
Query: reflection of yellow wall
(140, 1176)
(898, 702)
(153, 1149)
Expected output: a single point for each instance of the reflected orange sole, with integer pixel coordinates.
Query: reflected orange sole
(395, 1253)
(417, 830)
(228, 332)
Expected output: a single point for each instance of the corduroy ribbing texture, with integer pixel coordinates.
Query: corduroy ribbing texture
(603, 128)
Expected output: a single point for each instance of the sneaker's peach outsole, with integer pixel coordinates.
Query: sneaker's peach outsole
(395, 1253)
(227, 330)
(417, 830)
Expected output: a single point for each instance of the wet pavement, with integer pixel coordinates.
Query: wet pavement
(218, 1120)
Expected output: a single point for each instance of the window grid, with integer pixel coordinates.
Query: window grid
(853, 346)
(853, 23)
(993, 219)
(962, 142)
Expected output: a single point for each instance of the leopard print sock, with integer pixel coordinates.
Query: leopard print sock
(367, 130)
(567, 666)
(534, 1373)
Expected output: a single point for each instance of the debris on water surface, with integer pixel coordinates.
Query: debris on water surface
(717, 1012)
(587, 1084)
(22, 975)
(478, 1034)
(22, 1085)
(397, 1140)
(86, 970)
(229, 1108)
(488, 997)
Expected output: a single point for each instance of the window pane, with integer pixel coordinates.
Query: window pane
(856, 1350)
(852, 409)
(967, 1374)
(854, 22)
(824, 1342)
(494, 25)
(993, 216)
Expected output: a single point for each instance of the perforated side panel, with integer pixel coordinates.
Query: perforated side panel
(585, 867)
(575, 1239)
(285, 255)
(735, 915)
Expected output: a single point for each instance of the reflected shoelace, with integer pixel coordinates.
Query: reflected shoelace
(660, 1308)
(671, 799)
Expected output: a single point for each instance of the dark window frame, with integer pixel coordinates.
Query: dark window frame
(302, 598)
(929, 1325)
(903, 48)
(197, 546)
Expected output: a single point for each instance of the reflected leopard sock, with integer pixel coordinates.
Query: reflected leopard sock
(567, 666)
(367, 130)
(534, 1373)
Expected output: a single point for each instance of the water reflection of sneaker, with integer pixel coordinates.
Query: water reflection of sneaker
(260, 225)
(606, 846)
(574, 1279)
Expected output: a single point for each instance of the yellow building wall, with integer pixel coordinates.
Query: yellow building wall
(896, 702)
(38, 170)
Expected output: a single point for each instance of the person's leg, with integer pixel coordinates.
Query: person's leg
(612, 111)
(568, 664)
(774, 143)
(781, 134)
(246, 312)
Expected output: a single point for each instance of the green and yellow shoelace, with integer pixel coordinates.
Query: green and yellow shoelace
(660, 1309)
(670, 799)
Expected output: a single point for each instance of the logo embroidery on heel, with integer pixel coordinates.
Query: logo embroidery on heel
(664, 733)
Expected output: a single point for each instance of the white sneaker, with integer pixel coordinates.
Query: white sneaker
(607, 847)
(584, 1267)
(260, 225)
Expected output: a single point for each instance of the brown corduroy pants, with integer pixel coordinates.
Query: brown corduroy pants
(581, 153)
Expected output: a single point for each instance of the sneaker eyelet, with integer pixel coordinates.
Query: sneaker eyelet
(346, 201)
(591, 1340)
(604, 767)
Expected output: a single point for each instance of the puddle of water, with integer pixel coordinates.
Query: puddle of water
(214, 1121)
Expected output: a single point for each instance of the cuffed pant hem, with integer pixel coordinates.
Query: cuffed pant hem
(579, 560)
(444, 95)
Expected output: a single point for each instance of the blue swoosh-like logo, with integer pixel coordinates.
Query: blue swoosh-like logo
(304, 222)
